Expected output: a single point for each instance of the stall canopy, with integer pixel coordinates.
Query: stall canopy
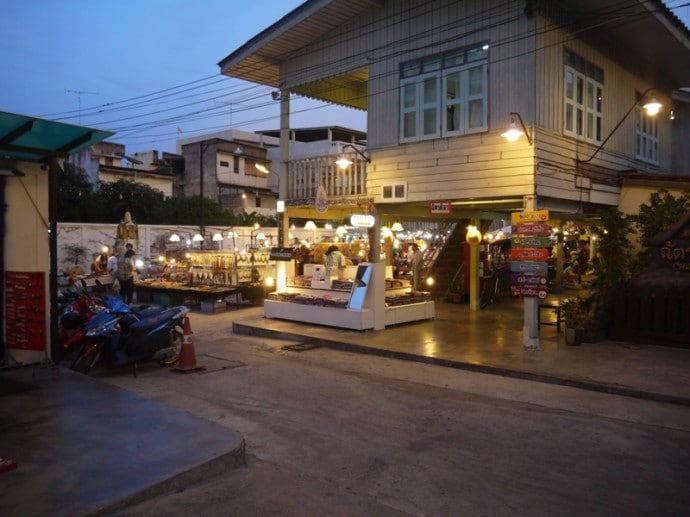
(34, 139)
(30, 139)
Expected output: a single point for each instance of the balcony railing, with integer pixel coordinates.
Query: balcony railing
(306, 175)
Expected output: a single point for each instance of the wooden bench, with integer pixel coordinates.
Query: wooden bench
(554, 306)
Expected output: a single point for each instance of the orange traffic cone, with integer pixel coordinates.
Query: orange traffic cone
(187, 361)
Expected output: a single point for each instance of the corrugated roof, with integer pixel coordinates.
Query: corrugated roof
(34, 139)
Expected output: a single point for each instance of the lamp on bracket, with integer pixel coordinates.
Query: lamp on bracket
(343, 162)
(514, 132)
(652, 107)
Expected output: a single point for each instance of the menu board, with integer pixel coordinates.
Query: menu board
(25, 310)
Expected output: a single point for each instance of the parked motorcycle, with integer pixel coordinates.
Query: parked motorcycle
(129, 336)
(77, 307)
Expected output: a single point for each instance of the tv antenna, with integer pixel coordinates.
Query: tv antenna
(79, 93)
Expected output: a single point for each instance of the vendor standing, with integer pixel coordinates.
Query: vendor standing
(335, 262)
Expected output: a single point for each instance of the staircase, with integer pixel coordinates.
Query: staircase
(449, 262)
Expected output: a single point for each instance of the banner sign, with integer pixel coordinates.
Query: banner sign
(537, 254)
(529, 268)
(536, 241)
(440, 207)
(281, 254)
(537, 216)
(528, 291)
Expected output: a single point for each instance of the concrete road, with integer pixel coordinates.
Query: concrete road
(332, 433)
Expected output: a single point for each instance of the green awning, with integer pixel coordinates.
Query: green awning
(34, 139)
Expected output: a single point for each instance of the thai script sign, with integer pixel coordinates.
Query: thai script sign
(440, 207)
(529, 291)
(281, 254)
(678, 257)
(362, 220)
(531, 229)
(536, 241)
(536, 216)
(518, 279)
(538, 254)
(529, 268)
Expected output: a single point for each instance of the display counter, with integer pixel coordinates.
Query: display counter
(173, 294)
(349, 304)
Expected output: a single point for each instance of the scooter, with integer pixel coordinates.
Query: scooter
(77, 307)
(129, 336)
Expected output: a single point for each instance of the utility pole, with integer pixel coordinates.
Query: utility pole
(79, 93)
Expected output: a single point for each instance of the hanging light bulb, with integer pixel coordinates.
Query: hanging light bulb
(513, 132)
(652, 107)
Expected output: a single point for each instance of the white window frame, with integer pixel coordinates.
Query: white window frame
(441, 104)
(586, 106)
(646, 137)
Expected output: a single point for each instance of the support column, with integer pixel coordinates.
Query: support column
(473, 238)
(530, 329)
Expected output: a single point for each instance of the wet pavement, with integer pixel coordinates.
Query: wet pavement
(84, 446)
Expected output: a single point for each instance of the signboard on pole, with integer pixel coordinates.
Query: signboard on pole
(528, 254)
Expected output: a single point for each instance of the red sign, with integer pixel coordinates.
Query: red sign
(440, 207)
(531, 229)
(533, 254)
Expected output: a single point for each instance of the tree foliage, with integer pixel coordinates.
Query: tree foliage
(80, 201)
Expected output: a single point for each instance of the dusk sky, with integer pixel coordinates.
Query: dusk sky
(148, 69)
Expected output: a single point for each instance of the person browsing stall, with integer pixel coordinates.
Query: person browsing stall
(334, 261)
(126, 269)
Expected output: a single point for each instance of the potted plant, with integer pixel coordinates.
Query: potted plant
(575, 315)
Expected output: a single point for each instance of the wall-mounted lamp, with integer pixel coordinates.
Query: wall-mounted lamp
(217, 236)
(344, 162)
(197, 237)
(397, 227)
(262, 168)
(174, 238)
(652, 108)
(238, 150)
(514, 132)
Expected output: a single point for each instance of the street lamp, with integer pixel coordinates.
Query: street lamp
(652, 107)
(344, 162)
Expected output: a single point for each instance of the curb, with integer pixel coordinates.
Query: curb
(611, 389)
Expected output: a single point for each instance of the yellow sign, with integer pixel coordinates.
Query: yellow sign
(536, 216)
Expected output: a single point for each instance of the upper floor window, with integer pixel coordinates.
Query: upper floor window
(584, 88)
(444, 94)
(646, 137)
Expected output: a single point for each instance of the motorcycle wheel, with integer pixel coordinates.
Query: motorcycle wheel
(83, 364)
(172, 353)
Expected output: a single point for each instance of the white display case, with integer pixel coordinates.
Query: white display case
(365, 308)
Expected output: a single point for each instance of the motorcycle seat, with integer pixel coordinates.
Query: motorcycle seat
(152, 321)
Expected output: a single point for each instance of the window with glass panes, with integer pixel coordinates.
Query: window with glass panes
(646, 137)
(444, 94)
(584, 88)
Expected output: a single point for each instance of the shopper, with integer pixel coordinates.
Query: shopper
(125, 275)
(334, 261)
(416, 263)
